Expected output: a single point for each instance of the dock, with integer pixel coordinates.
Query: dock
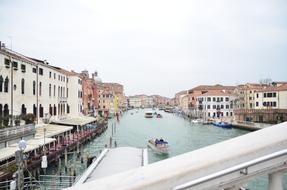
(113, 161)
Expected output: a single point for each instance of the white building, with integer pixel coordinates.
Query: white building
(35, 84)
(134, 101)
(216, 104)
(271, 98)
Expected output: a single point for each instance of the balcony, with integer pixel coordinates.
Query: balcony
(62, 99)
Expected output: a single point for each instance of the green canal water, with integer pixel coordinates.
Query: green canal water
(135, 130)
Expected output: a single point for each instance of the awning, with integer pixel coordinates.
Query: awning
(32, 144)
(76, 121)
(51, 130)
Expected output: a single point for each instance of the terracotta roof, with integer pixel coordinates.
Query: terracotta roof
(213, 87)
(283, 87)
(217, 93)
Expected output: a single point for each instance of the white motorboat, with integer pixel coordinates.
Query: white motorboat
(148, 114)
(159, 146)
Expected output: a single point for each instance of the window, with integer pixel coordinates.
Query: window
(269, 95)
(226, 99)
(40, 71)
(50, 74)
(208, 99)
(22, 86)
(34, 88)
(208, 114)
(208, 106)
(250, 98)
(59, 77)
(54, 90)
(7, 63)
(34, 70)
(67, 80)
(40, 89)
(227, 114)
(34, 110)
(23, 109)
(264, 95)
(1, 83)
(41, 111)
(257, 95)
(274, 104)
(50, 89)
(23, 68)
(264, 103)
(67, 92)
(50, 110)
(68, 108)
(6, 84)
(222, 107)
(214, 106)
(257, 104)
(15, 65)
(274, 94)
(54, 75)
(231, 113)
(221, 99)
(59, 91)
(250, 105)
(227, 106)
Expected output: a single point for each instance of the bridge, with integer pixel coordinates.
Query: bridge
(227, 165)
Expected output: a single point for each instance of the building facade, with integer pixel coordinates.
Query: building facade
(216, 104)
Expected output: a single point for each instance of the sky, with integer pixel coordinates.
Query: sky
(153, 46)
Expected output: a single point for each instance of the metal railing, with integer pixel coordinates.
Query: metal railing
(11, 132)
(241, 168)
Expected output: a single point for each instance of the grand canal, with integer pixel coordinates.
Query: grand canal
(133, 129)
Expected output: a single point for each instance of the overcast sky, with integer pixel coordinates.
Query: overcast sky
(154, 46)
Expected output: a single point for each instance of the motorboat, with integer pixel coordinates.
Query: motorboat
(222, 124)
(159, 146)
(148, 114)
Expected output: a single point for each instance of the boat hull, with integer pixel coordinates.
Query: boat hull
(157, 149)
(222, 125)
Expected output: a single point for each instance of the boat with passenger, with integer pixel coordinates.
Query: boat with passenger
(159, 146)
(158, 115)
(222, 124)
(148, 114)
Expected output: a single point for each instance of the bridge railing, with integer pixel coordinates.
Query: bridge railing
(223, 165)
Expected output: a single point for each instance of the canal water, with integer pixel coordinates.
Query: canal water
(135, 130)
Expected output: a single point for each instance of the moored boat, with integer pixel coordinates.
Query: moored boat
(159, 146)
(222, 124)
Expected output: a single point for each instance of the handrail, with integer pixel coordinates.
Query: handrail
(231, 170)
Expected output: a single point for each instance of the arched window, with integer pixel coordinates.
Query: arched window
(68, 108)
(1, 83)
(41, 111)
(50, 89)
(23, 110)
(1, 111)
(35, 110)
(40, 89)
(22, 86)
(34, 87)
(55, 110)
(6, 110)
(50, 110)
(6, 84)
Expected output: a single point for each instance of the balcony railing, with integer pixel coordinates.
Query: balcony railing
(62, 99)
